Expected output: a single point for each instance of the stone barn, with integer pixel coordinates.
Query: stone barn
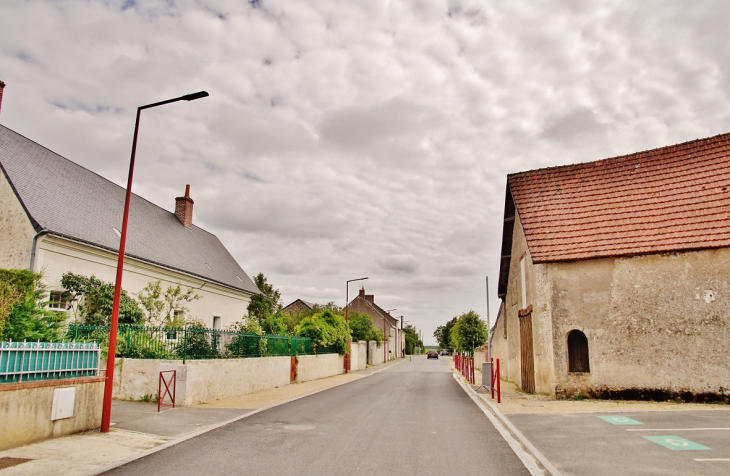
(614, 276)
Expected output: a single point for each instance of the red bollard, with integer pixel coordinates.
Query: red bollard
(499, 385)
(491, 377)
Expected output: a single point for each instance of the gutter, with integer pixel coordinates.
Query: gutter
(33, 247)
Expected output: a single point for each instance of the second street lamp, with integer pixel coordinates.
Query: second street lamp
(109, 382)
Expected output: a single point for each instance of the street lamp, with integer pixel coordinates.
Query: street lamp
(347, 320)
(109, 382)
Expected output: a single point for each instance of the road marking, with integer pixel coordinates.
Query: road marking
(678, 429)
(676, 443)
(620, 420)
(712, 459)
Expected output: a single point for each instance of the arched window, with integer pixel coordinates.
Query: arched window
(578, 352)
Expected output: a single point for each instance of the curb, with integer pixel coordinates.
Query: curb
(505, 426)
(215, 426)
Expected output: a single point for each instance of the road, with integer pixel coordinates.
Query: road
(412, 418)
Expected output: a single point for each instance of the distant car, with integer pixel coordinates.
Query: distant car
(444, 351)
(432, 354)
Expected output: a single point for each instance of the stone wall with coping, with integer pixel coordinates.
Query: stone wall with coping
(358, 356)
(25, 410)
(313, 367)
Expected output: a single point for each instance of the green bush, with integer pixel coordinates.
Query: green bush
(326, 329)
(23, 313)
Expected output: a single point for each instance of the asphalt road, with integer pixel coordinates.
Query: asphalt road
(410, 419)
(631, 443)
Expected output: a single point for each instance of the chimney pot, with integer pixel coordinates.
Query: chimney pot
(2, 86)
(184, 208)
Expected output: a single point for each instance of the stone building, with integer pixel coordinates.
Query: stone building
(298, 306)
(58, 217)
(382, 320)
(614, 276)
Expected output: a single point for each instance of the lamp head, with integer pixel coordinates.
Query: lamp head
(194, 96)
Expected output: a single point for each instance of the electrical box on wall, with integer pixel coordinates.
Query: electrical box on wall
(63, 403)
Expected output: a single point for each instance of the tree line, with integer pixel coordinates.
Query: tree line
(462, 333)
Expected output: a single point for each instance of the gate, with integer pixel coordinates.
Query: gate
(527, 361)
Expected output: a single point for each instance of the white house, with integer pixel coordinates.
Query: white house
(56, 217)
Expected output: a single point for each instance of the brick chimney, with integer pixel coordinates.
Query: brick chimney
(2, 86)
(184, 208)
(362, 293)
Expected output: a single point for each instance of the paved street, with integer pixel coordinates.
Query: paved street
(412, 418)
(631, 443)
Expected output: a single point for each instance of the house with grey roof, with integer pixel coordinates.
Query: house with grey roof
(56, 217)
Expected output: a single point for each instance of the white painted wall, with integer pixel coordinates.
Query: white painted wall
(313, 367)
(56, 256)
(358, 356)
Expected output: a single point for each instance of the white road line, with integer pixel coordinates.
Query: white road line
(678, 429)
(712, 459)
(527, 457)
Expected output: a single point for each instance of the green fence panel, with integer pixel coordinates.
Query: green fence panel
(26, 361)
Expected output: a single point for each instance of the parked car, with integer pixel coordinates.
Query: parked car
(432, 354)
(444, 351)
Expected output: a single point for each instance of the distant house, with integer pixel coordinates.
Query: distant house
(56, 217)
(298, 306)
(382, 320)
(614, 275)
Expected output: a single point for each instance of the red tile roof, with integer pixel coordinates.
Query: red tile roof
(675, 198)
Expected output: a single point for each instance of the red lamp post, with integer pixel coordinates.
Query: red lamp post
(109, 382)
(347, 320)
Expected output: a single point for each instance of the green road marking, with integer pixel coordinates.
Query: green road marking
(676, 443)
(620, 420)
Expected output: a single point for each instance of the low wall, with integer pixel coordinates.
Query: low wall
(313, 367)
(375, 353)
(25, 409)
(201, 381)
(359, 355)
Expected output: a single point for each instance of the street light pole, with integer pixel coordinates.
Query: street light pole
(347, 320)
(109, 382)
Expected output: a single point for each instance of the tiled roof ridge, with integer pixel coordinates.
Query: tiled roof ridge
(696, 143)
(96, 174)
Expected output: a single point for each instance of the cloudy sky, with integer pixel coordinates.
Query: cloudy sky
(344, 139)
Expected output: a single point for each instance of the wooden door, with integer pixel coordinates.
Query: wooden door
(527, 358)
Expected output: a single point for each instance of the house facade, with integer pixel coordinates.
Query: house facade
(614, 279)
(58, 217)
(382, 321)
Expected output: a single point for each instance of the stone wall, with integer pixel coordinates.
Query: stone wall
(25, 410)
(15, 229)
(657, 325)
(358, 357)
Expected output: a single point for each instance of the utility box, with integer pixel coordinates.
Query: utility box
(487, 375)
(63, 403)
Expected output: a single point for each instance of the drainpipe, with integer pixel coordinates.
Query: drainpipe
(33, 246)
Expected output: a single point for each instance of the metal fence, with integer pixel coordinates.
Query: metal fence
(24, 361)
(193, 343)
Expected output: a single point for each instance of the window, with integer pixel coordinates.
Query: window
(216, 322)
(578, 352)
(58, 301)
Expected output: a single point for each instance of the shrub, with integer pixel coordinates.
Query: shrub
(326, 329)
(23, 313)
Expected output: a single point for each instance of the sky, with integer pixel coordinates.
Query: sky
(348, 139)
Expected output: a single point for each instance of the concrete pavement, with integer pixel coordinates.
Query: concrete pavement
(138, 430)
(604, 437)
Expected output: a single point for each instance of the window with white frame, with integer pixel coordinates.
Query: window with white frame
(58, 301)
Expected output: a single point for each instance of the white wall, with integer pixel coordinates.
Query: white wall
(358, 356)
(56, 256)
(313, 367)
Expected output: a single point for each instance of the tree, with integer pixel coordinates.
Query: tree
(23, 313)
(164, 309)
(93, 301)
(265, 304)
(468, 332)
(362, 328)
(443, 334)
(412, 340)
(326, 329)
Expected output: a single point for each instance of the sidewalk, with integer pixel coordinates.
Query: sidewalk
(138, 429)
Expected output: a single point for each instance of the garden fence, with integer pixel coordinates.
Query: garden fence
(193, 343)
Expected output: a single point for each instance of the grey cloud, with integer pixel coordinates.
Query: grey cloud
(406, 264)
